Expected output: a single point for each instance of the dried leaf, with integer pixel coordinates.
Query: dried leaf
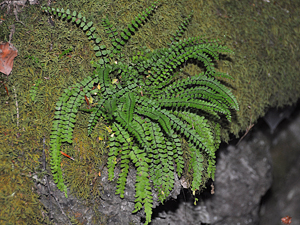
(7, 54)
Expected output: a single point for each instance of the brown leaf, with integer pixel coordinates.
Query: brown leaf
(7, 54)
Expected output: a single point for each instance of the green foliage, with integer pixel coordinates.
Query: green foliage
(148, 109)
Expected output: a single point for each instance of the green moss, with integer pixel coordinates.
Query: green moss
(264, 36)
(18, 199)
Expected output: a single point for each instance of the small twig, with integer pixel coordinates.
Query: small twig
(35, 177)
(16, 15)
(46, 177)
(17, 105)
(12, 31)
(51, 44)
(248, 128)
(15, 5)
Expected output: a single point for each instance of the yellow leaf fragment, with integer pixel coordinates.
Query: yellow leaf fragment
(108, 129)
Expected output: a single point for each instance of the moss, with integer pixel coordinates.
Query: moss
(264, 36)
(18, 198)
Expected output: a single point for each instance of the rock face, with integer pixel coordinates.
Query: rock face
(243, 176)
(110, 208)
(283, 199)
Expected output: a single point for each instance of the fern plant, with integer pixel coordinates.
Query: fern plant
(150, 112)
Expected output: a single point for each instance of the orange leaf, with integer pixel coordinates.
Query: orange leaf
(87, 100)
(66, 155)
(7, 54)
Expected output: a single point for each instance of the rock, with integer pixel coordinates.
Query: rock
(243, 176)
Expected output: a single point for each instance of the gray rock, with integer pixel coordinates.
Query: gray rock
(243, 176)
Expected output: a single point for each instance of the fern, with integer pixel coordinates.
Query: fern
(148, 111)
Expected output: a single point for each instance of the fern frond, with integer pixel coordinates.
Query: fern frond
(95, 116)
(64, 122)
(120, 142)
(150, 112)
(156, 115)
(208, 107)
(187, 131)
(197, 165)
(142, 186)
(201, 126)
(130, 104)
(181, 28)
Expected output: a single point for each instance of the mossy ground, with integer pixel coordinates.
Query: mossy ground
(264, 35)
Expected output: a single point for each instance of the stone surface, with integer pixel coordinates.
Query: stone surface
(112, 209)
(243, 176)
(283, 199)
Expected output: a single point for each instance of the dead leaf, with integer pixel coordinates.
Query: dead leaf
(7, 54)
